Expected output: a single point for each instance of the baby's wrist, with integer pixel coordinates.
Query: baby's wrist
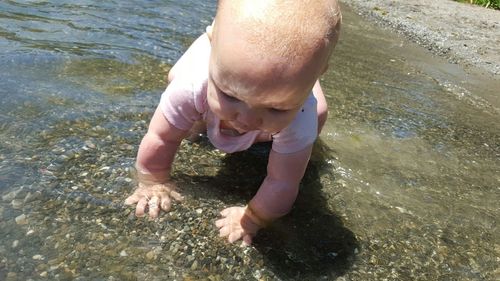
(256, 218)
(150, 178)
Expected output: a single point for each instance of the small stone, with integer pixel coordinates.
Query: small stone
(194, 266)
(123, 253)
(43, 274)
(150, 255)
(199, 211)
(17, 204)
(89, 144)
(31, 197)
(15, 244)
(21, 219)
(9, 196)
(31, 231)
(37, 257)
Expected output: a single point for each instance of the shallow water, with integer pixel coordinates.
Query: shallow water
(402, 186)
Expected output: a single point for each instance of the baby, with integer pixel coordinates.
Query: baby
(252, 77)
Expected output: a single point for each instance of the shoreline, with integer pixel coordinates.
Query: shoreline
(464, 34)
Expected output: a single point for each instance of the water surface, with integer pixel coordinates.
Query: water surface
(402, 186)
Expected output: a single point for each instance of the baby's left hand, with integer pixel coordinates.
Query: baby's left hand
(236, 224)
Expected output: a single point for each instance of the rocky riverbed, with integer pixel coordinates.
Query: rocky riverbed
(402, 186)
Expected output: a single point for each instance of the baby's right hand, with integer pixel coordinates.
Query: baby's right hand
(154, 197)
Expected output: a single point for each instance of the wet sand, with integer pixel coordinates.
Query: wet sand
(465, 34)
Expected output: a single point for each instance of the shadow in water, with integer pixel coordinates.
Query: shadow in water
(310, 242)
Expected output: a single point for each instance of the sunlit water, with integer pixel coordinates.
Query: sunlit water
(403, 186)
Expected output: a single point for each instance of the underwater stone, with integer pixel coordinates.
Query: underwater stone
(10, 196)
(194, 266)
(21, 219)
(151, 255)
(17, 204)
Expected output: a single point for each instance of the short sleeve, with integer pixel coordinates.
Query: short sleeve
(179, 105)
(302, 132)
(184, 100)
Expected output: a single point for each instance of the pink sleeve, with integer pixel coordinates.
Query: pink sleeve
(302, 132)
(184, 100)
(179, 105)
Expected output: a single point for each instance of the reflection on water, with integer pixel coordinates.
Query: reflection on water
(403, 186)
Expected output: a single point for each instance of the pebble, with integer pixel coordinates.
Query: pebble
(21, 219)
(194, 266)
(17, 204)
(10, 196)
(31, 197)
(151, 255)
(43, 274)
(15, 244)
(90, 144)
(123, 253)
(37, 257)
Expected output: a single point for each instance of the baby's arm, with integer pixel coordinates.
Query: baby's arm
(273, 200)
(322, 106)
(154, 160)
(279, 190)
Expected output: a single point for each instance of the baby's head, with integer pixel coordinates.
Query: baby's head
(266, 56)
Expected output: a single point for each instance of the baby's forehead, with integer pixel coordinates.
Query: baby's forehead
(285, 28)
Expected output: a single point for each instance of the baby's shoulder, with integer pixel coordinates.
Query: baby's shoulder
(194, 62)
(301, 132)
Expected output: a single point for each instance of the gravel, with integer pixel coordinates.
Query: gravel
(465, 34)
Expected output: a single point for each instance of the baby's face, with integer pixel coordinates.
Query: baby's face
(269, 108)
(251, 92)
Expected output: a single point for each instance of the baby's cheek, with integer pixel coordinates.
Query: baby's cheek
(276, 124)
(223, 111)
(280, 122)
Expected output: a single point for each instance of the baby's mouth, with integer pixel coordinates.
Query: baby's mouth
(238, 128)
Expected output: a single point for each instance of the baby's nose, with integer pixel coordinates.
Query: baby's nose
(249, 118)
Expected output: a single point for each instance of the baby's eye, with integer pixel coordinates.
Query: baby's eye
(276, 110)
(228, 97)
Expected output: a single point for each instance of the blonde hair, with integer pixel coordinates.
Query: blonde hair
(288, 29)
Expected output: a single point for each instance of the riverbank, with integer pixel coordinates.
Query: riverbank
(464, 34)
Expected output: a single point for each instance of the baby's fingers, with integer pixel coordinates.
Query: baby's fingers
(176, 195)
(141, 207)
(220, 222)
(154, 208)
(132, 199)
(235, 235)
(166, 203)
(227, 211)
(247, 240)
(224, 231)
